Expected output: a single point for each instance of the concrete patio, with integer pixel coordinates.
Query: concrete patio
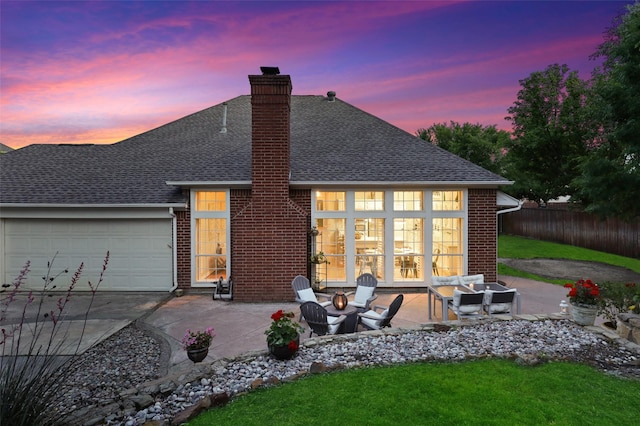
(240, 327)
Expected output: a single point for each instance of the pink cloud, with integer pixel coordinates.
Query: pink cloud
(125, 79)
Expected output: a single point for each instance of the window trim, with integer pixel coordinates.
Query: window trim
(389, 214)
(208, 214)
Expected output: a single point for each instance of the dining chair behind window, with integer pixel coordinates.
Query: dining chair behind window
(408, 265)
(370, 262)
(434, 264)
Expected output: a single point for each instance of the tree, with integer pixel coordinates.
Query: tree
(609, 184)
(550, 129)
(480, 145)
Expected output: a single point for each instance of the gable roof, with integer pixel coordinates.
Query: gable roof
(332, 143)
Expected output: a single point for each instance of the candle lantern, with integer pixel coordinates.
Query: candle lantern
(564, 307)
(339, 300)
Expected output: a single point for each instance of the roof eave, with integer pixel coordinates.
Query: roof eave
(92, 206)
(211, 184)
(395, 184)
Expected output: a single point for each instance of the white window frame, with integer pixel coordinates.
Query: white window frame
(388, 214)
(195, 214)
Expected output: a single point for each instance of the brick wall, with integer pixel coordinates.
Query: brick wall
(483, 237)
(183, 219)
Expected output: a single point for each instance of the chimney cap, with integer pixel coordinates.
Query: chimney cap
(331, 95)
(270, 70)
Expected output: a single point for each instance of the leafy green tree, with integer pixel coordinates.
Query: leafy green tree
(481, 145)
(550, 129)
(609, 184)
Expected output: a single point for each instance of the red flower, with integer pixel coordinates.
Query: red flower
(293, 346)
(277, 315)
(584, 292)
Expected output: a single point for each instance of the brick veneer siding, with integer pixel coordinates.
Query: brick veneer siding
(482, 232)
(269, 231)
(266, 253)
(183, 219)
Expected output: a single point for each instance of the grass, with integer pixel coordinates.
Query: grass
(480, 392)
(524, 248)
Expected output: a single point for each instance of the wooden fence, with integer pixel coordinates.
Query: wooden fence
(574, 228)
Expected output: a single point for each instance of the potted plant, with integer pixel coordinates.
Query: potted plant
(197, 343)
(584, 296)
(283, 336)
(318, 258)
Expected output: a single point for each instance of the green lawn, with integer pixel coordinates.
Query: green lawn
(481, 392)
(525, 248)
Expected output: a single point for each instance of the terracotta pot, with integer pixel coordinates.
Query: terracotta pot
(283, 352)
(584, 314)
(197, 355)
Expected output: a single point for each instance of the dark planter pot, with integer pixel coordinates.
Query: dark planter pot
(283, 352)
(197, 355)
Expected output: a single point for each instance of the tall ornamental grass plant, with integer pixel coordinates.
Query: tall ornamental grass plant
(32, 336)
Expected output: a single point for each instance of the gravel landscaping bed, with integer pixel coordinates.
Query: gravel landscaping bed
(132, 357)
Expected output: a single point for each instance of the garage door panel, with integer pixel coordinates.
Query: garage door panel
(140, 251)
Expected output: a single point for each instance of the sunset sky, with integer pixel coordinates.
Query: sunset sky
(102, 71)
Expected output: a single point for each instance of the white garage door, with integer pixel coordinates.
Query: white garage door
(139, 252)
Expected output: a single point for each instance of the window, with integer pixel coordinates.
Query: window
(211, 201)
(369, 201)
(330, 201)
(447, 200)
(407, 201)
(408, 249)
(422, 234)
(447, 246)
(210, 236)
(370, 247)
(330, 241)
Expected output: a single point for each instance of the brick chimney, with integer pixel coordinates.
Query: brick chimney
(270, 138)
(269, 232)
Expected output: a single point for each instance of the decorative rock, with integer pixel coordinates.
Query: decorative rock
(534, 341)
(187, 414)
(220, 399)
(273, 381)
(142, 401)
(318, 367)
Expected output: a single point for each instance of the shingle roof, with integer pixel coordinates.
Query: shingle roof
(331, 142)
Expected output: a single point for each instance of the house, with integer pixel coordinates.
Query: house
(237, 188)
(4, 148)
